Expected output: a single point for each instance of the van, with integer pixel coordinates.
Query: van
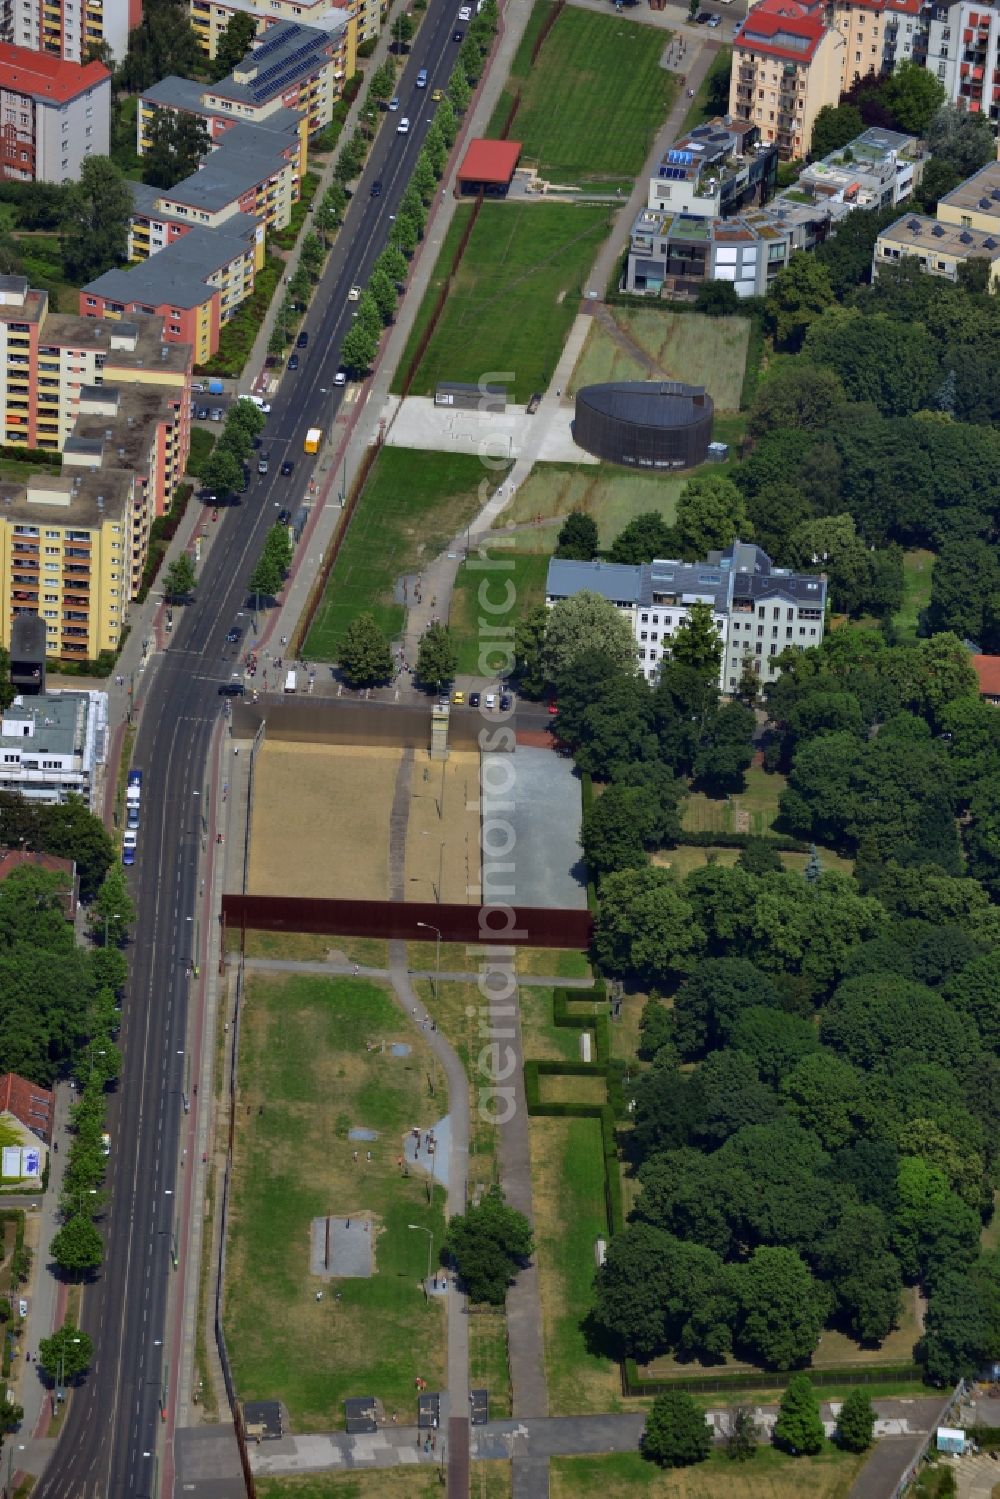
(422, 78)
(290, 682)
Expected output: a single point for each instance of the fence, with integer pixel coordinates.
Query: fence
(439, 301)
(353, 721)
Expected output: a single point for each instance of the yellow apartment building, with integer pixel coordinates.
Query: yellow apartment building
(787, 64)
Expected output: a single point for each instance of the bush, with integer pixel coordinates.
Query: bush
(286, 238)
(236, 338)
(202, 443)
(367, 47)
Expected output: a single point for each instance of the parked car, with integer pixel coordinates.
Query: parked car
(506, 702)
(422, 78)
(293, 362)
(490, 702)
(302, 340)
(474, 699)
(235, 635)
(394, 104)
(284, 516)
(286, 468)
(458, 697)
(340, 378)
(437, 96)
(465, 13)
(217, 413)
(354, 295)
(261, 404)
(553, 709)
(458, 36)
(202, 413)
(262, 464)
(403, 128)
(713, 21)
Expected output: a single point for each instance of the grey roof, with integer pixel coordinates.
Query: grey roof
(176, 93)
(649, 403)
(615, 581)
(742, 572)
(175, 274)
(59, 721)
(286, 53)
(225, 175)
(144, 197)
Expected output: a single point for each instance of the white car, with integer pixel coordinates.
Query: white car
(394, 105)
(354, 295)
(131, 838)
(490, 701)
(403, 128)
(465, 14)
(340, 378)
(260, 403)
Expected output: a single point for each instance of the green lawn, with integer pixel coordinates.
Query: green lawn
(412, 506)
(513, 298)
(918, 567)
(759, 801)
(592, 101)
(701, 107)
(684, 346)
(769, 1475)
(612, 495)
(490, 1480)
(477, 653)
(40, 259)
(305, 1078)
(567, 1172)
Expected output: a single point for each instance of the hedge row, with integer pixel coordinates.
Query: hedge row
(780, 842)
(733, 1381)
(11, 453)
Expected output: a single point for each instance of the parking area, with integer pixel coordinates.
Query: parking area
(496, 435)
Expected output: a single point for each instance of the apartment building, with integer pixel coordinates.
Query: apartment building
(67, 28)
(53, 115)
(787, 64)
(716, 169)
(963, 52)
(51, 746)
(759, 610)
(672, 253)
(966, 227)
(878, 34)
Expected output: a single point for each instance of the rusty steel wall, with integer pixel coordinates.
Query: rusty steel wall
(299, 718)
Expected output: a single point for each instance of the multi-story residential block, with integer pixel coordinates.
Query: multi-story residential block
(47, 359)
(967, 227)
(53, 115)
(290, 29)
(878, 34)
(69, 28)
(759, 610)
(674, 253)
(716, 169)
(51, 746)
(787, 64)
(963, 52)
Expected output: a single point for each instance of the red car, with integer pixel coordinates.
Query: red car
(553, 709)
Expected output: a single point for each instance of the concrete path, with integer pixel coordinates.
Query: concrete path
(46, 1295)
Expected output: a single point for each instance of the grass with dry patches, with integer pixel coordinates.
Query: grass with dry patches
(490, 1480)
(567, 1174)
(611, 496)
(306, 1077)
(770, 1475)
(567, 1088)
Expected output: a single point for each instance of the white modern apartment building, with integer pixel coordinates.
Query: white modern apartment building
(52, 744)
(759, 610)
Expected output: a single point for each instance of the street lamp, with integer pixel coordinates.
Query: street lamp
(419, 1228)
(61, 1372)
(437, 953)
(10, 1464)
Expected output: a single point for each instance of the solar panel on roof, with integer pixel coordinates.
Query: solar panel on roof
(984, 202)
(965, 237)
(937, 231)
(995, 195)
(913, 224)
(990, 243)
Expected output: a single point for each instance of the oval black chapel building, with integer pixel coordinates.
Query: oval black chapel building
(645, 423)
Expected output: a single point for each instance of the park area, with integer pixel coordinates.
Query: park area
(316, 1061)
(653, 343)
(321, 820)
(412, 506)
(512, 299)
(470, 625)
(770, 1475)
(591, 102)
(612, 496)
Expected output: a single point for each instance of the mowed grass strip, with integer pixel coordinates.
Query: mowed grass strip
(306, 1077)
(513, 298)
(770, 1475)
(592, 101)
(612, 496)
(567, 1175)
(474, 629)
(489, 1480)
(413, 504)
(918, 570)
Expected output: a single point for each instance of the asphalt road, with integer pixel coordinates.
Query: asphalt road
(106, 1447)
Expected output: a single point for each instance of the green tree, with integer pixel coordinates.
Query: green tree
(676, 1432)
(266, 579)
(726, 750)
(68, 1353)
(696, 643)
(437, 658)
(856, 1422)
(335, 199)
(312, 256)
(325, 221)
(741, 1443)
(711, 513)
(459, 92)
(178, 142)
(365, 654)
(586, 625)
(359, 349)
(646, 537)
(179, 580)
(384, 293)
(914, 96)
(892, 364)
(795, 396)
(112, 912)
(578, 538)
(835, 126)
(222, 471)
(646, 926)
(963, 141)
(246, 417)
(163, 43)
(382, 81)
(77, 1247)
(234, 43)
(446, 122)
(962, 1325)
(403, 30)
(436, 147)
(71, 830)
(798, 1429)
(424, 178)
(97, 210)
(393, 263)
(405, 233)
(717, 299)
(622, 824)
(783, 1308)
(529, 644)
(487, 1245)
(799, 295)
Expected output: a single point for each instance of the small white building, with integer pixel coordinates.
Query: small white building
(52, 744)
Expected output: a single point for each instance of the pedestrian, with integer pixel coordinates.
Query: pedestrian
(395, 1418)
(348, 1222)
(236, 750)
(355, 1156)
(357, 970)
(368, 1155)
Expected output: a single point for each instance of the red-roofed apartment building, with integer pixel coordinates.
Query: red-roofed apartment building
(53, 115)
(18, 858)
(28, 1102)
(878, 34)
(988, 672)
(787, 63)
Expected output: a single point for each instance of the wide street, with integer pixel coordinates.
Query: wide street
(108, 1444)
